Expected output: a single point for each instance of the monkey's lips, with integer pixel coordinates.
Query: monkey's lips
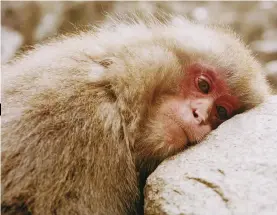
(175, 134)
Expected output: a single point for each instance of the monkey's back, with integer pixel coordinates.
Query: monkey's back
(58, 142)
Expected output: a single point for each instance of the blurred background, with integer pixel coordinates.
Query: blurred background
(24, 23)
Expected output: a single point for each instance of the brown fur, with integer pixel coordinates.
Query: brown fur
(77, 123)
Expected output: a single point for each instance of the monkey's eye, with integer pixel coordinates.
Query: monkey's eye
(203, 85)
(222, 112)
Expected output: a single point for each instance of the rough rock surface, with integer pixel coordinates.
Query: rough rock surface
(234, 171)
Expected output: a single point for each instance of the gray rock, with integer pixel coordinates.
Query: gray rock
(233, 171)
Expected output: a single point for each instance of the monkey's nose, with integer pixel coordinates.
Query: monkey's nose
(201, 110)
(199, 116)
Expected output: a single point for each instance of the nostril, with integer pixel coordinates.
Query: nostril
(194, 113)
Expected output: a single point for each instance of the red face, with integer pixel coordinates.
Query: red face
(203, 103)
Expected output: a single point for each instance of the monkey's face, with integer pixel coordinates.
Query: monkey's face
(182, 81)
(202, 102)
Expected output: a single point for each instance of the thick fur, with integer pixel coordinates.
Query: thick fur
(77, 123)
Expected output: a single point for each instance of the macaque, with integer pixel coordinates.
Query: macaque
(83, 116)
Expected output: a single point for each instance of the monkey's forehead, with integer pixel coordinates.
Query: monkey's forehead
(217, 46)
(176, 33)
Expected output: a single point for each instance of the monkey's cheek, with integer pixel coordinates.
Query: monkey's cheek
(175, 137)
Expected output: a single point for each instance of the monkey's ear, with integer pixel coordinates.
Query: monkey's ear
(99, 68)
(105, 62)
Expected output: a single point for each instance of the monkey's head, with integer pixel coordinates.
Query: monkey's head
(176, 82)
